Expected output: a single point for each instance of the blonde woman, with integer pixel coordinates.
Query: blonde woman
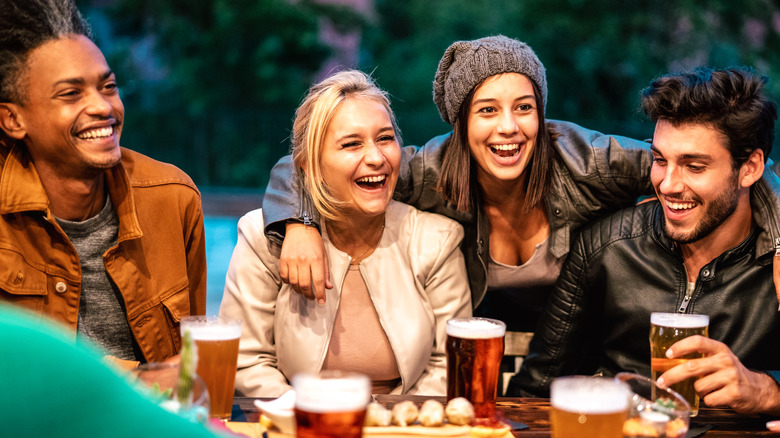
(398, 272)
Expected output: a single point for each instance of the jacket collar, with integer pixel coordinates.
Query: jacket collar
(20, 186)
(120, 190)
(21, 190)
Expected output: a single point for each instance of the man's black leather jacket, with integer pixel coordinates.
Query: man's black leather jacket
(620, 269)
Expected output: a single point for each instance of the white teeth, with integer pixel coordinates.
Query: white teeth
(97, 133)
(506, 147)
(372, 179)
(680, 205)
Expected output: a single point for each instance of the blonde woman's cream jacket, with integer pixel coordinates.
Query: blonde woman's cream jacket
(416, 278)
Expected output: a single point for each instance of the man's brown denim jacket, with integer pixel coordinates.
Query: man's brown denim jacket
(159, 263)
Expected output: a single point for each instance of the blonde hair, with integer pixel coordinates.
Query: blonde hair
(312, 119)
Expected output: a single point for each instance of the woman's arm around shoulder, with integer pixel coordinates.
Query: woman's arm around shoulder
(285, 199)
(612, 168)
(251, 289)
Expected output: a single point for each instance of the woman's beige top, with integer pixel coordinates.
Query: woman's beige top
(358, 342)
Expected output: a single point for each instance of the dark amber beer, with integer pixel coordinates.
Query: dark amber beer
(217, 342)
(330, 404)
(588, 407)
(475, 347)
(665, 330)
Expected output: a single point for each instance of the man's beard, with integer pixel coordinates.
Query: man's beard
(720, 209)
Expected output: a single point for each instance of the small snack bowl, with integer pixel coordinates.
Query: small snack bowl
(654, 411)
(280, 411)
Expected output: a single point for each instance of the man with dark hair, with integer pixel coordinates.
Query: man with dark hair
(98, 237)
(704, 246)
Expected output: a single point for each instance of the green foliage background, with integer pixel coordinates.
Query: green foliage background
(212, 85)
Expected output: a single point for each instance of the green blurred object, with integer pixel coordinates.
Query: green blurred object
(54, 387)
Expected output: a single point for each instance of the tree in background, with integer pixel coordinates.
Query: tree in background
(211, 85)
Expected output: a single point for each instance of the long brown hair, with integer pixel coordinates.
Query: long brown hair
(457, 179)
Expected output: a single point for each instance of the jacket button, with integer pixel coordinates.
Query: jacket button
(61, 287)
(705, 273)
(557, 212)
(19, 278)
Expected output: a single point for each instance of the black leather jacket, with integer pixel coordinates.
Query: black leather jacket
(624, 267)
(594, 175)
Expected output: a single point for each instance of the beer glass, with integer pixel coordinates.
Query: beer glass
(665, 330)
(216, 340)
(330, 404)
(588, 407)
(475, 347)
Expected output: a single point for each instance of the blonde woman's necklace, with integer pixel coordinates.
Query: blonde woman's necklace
(358, 259)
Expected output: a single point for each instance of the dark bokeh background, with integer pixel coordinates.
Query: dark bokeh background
(212, 85)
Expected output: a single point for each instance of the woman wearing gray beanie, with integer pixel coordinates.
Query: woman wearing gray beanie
(519, 185)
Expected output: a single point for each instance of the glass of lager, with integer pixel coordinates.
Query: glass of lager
(665, 330)
(330, 404)
(216, 340)
(588, 407)
(475, 347)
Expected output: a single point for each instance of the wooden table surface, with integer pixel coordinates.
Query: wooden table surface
(534, 412)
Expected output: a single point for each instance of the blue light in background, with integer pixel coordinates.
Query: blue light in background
(221, 238)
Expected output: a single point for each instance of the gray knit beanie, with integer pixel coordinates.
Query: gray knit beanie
(466, 64)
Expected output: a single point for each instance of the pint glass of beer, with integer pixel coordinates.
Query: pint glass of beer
(588, 407)
(330, 404)
(475, 347)
(217, 345)
(665, 330)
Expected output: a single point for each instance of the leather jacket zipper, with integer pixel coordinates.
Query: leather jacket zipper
(684, 304)
(688, 295)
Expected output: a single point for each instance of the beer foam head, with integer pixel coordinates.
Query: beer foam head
(210, 328)
(679, 320)
(589, 395)
(476, 328)
(331, 392)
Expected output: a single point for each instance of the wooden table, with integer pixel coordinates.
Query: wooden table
(534, 412)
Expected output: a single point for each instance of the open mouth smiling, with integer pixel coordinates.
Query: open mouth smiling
(680, 206)
(96, 133)
(505, 150)
(372, 182)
